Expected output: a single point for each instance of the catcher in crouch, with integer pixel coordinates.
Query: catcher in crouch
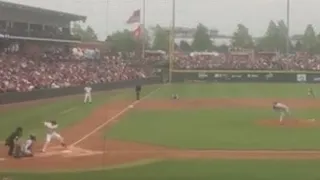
(25, 149)
(282, 109)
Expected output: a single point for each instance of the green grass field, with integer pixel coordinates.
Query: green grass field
(215, 129)
(193, 129)
(195, 169)
(66, 111)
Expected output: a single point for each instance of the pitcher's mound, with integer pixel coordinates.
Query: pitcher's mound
(290, 123)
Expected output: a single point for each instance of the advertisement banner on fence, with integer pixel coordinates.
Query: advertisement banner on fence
(242, 76)
(301, 77)
(202, 75)
(313, 78)
(316, 79)
(253, 76)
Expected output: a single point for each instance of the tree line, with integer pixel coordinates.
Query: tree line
(274, 39)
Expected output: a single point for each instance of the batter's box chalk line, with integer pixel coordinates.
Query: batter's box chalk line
(68, 152)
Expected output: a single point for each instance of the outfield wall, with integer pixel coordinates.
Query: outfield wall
(247, 76)
(13, 97)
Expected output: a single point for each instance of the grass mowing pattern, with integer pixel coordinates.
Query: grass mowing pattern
(236, 90)
(31, 118)
(196, 169)
(215, 129)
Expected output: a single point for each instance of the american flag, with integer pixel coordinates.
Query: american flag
(134, 18)
(137, 32)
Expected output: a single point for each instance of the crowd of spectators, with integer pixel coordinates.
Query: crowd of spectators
(22, 74)
(258, 61)
(56, 68)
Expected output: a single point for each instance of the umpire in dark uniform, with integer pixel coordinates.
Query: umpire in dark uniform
(12, 139)
(138, 90)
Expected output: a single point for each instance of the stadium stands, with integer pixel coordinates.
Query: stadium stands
(25, 22)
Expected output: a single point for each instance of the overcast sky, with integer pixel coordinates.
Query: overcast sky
(220, 14)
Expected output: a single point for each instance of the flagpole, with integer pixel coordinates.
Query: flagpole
(107, 19)
(172, 40)
(143, 28)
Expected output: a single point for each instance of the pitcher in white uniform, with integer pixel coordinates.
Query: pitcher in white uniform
(52, 134)
(282, 109)
(87, 94)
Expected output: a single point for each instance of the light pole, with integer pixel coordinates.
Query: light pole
(288, 28)
(107, 18)
(172, 39)
(143, 29)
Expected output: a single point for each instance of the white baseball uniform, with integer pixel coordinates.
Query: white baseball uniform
(27, 147)
(87, 94)
(51, 132)
(282, 109)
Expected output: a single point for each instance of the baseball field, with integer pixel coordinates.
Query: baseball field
(213, 131)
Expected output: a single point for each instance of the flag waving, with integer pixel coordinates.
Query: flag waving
(137, 32)
(134, 18)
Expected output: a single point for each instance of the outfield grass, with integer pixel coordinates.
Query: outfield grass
(215, 129)
(195, 169)
(67, 111)
(236, 90)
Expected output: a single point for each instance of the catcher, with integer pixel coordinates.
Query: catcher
(25, 149)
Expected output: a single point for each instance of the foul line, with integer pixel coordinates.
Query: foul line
(114, 117)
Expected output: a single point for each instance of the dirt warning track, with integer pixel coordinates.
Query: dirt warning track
(88, 149)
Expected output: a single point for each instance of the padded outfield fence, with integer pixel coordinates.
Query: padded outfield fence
(246, 76)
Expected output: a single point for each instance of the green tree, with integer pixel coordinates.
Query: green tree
(298, 46)
(309, 39)
(317, 48)
(201, 39)
(123, 41)
(242, 38)
(161, 39)
(185, 46)
(282, 37)
(269, 41)
(275, 37)
(86, 34)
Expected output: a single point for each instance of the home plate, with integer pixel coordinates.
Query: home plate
(2, 159)
(66, 151)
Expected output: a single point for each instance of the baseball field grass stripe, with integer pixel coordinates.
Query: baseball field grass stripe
(193, 169)
(114, 117)
(68, 110)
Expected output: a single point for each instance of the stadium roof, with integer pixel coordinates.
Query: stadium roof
(69, 16)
